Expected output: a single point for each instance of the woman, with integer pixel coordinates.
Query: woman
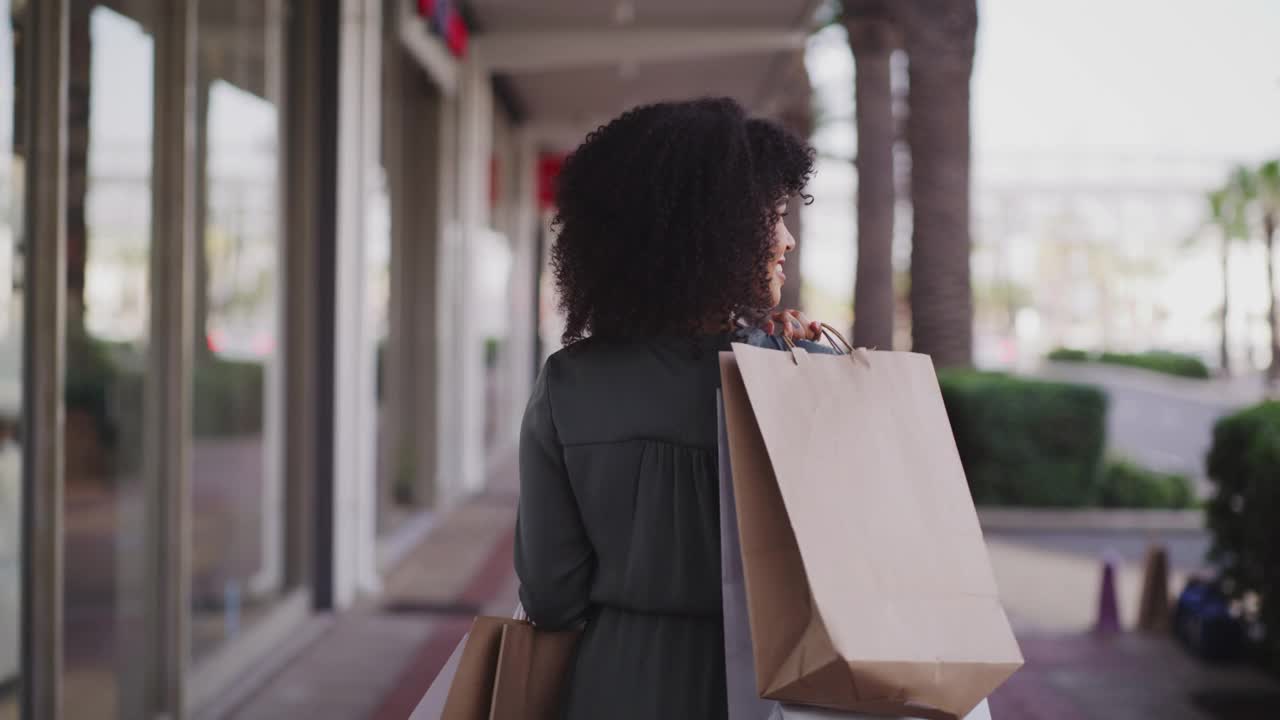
(671, 244)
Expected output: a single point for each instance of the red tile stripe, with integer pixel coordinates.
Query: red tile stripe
(416, 678)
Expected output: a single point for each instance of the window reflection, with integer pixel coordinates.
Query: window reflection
(110, 139)
(238, 521)
(395, 491)
(11, 168)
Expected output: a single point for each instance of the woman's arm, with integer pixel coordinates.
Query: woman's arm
(553, 556)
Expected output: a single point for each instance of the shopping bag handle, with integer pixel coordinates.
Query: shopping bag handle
(829, 331)
(859, 355)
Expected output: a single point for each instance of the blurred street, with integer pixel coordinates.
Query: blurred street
(1128, 677)
(1162, 422)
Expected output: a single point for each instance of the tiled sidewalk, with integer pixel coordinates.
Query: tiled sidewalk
(1129, 677)
(377, 660)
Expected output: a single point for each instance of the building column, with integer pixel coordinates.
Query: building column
(523, 333)
(166, 614)
(45, 106)
(463, 461)
(355, 402)
(416, 159)
(271, 570)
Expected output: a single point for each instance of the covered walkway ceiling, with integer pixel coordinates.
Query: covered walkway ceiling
(574, 64)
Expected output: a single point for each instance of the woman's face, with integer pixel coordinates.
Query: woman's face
(783, 243)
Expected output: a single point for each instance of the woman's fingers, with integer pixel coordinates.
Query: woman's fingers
(785, 324)
(794, 325)
(805, 328)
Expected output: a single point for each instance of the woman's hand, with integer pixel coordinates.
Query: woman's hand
(794, 325)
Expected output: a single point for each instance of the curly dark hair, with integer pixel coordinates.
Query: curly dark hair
(666, 216)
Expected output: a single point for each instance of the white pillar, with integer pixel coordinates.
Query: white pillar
(463, 382)
(448, 239)
(355, 487)
(366, 433)
(270, 574)
(518, 358)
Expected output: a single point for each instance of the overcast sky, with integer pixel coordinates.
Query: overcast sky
(1057, 81)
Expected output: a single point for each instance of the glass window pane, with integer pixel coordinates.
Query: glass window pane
(399, 499)
(11, 338)
(238, 535)
(395, 498)
(110, 91)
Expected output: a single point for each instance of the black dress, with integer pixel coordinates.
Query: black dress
(618, 523)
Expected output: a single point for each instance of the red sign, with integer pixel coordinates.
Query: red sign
(548, 170)
(455, 34)
(446, 22)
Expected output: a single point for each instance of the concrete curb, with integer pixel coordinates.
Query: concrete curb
(1091, 520)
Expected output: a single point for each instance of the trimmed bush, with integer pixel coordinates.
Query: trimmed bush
(1169, 363)
(227, 397)
(105, 380)
(1126, 485)
(1069, 355)
(91, 375)
(1244, 464)
(1026, 442)
(492, 349)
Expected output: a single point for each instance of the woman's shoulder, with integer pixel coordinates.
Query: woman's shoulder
(597, 350)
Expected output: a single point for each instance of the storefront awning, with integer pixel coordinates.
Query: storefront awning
(574, 64)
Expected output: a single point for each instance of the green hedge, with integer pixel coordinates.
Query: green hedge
(1126, 485)
(1027, 442)
(92, 374)
(1244, 514)
(1069, 355)
(1169, 363)
(228, 396)
(106, 380)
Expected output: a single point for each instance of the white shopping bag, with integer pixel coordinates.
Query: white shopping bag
(431, 707)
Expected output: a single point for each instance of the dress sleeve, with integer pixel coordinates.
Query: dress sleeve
(553, 557)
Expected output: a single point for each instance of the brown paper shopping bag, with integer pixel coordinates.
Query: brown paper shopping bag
(471, 692)
(868, 584)
(508, 669)
(532, 668)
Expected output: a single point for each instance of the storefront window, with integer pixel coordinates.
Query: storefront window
(11, 296)
(400, 496)
(238, 565)
(393, 503)
(110, 144)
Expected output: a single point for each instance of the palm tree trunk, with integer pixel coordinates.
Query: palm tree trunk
(1224, 350)
(1268, 239)
(873, 38)
(939, 37)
